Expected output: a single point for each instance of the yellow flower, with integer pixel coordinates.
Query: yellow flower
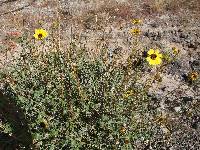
(135, 31)
(193, 76)
(175, 50)
(154, 57)
(40, 34)
(136, 21)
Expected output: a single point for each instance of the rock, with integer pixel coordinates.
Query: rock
(187, 99)
(193, 45)
(154, 25)
(177, 109)
(182, 35)
(195, 65)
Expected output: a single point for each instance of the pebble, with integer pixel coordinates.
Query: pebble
(177, 109)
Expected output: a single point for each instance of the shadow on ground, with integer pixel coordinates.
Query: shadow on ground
(14, 115)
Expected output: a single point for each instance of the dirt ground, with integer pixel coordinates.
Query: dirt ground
(95, 24)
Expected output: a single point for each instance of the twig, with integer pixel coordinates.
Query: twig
(15, 10)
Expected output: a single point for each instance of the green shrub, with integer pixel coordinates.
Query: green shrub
(72, 102)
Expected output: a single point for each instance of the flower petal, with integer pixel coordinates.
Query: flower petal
(44, 33)
(37, 31)
(152, 62)
(151, 51)
(35, 36)
(160, 56)
(148, 59)
(158, 61)
(157, 51)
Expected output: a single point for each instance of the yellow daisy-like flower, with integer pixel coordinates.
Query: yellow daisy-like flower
(193, 76)
(40, 34)
(136, 21)
(175, 50)
(154, 57)
(135, 31)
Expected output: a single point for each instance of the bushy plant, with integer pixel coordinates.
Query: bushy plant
(73, 102)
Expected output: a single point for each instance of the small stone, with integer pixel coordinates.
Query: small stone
(165, 130)
(195, 64)
(187, 99)
(154, 25)
(177, 109)
(194, 125)
(180, 30)
(182, 35)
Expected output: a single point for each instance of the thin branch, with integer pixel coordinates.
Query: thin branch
(15, 10)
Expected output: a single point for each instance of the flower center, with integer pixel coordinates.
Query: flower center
(194, 76)
(153, 56)
(40, 36)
